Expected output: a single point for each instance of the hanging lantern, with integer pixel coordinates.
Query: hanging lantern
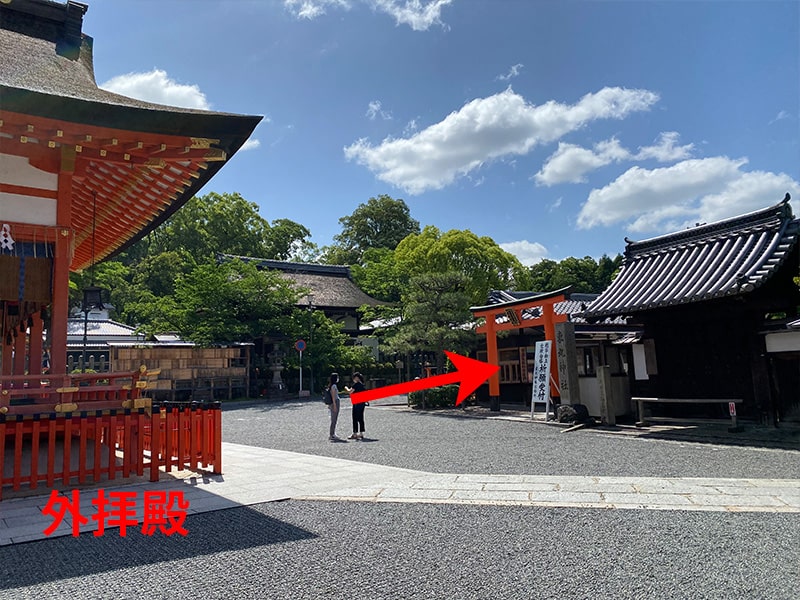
(92, 298)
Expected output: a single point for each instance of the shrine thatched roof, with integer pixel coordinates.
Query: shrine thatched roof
(136, 162)
(328, 286)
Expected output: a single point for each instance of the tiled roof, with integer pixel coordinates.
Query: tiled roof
(726, 258)
(574, 305)
(101, 328)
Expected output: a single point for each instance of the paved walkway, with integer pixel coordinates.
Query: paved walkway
(254, 475)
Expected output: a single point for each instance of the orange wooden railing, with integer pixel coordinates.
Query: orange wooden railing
(185, 436)
(117, 432)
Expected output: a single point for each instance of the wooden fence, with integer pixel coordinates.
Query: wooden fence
(96, 426)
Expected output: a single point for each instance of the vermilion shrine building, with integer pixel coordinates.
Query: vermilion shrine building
(84, 173)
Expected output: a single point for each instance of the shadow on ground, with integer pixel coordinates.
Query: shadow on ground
(751, 434)
(209, 533)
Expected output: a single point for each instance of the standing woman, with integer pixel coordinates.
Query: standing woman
(358, 409)
(334, 406)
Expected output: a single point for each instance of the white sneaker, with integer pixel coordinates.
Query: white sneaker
(353, 436)
(361, 435)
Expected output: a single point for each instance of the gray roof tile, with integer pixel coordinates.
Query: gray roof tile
(726, 258)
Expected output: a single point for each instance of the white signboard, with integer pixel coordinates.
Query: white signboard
(541, 376)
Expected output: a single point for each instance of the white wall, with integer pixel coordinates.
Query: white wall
(19, 207)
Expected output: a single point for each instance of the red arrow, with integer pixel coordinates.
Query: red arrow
(469, 372)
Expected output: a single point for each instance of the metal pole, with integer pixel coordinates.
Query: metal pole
(310, 343)
(301, 373)
(85, 339)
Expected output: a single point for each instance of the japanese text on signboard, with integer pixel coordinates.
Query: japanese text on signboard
(541, 372)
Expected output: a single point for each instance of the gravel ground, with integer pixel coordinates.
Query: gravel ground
(452, 444)
(310, 550)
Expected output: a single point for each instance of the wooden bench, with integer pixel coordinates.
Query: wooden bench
(731, 402)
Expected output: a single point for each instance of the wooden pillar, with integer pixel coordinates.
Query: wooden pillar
(548, 313)
(764, 407)
(5, 360)
(61, 262)
(35, 344)
(20, 350)
(493, 359)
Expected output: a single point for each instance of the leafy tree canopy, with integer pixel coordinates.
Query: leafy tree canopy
(233, 302)
(435, 312)
(226, 224)
(381, 222)
(485, 265)
(378, 275)
(583, 274)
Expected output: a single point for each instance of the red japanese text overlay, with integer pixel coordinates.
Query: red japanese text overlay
(163, 511)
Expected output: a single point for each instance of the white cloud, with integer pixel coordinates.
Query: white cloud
(375, 110)
(512, 72)
(411, 127)
(156, 86)
(675, 197)
(780, 117)
(417, 14)
(311, 9)
(665, 149)
(250, 144)
(528, 253)
(484, 129)
(570, 163)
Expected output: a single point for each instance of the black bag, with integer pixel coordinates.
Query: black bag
(326, 396)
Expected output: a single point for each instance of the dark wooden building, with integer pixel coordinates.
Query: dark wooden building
(705, 297)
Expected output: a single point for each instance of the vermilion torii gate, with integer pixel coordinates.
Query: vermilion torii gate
(534, 311)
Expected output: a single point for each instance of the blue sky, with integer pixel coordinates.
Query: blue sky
(556, 127)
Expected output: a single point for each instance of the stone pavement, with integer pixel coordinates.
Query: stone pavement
(255, 475)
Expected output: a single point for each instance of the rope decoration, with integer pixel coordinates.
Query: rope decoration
(6, 241)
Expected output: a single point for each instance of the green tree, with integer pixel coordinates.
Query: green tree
(233, 302)
(216, 223)
(435, 313)
(381, 222)
(378, 275)
(159, 273)
(542, 275)
(287, 240)
(111, 276)
(583, 274)
(485, 265)
(153, 314)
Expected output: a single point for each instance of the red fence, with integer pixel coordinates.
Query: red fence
(100, 427)
(182, 436)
